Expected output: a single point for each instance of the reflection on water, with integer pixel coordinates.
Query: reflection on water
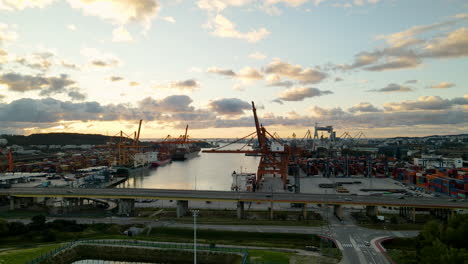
(208, 171)
(97, 261)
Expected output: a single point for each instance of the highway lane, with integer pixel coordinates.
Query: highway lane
(228, 196)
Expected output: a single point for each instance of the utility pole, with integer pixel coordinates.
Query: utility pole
(195, 213)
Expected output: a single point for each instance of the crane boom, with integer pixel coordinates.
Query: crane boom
(260, 138)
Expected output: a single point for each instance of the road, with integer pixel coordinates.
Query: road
(228, 196)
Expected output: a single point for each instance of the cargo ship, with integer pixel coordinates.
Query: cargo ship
(185, 152)
(243, 181)
(162, 160)
(141, 162)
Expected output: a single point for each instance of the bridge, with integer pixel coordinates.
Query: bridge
(127, 197)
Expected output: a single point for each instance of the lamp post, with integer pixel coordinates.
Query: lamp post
(195, 214)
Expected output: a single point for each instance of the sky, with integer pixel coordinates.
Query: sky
(382, 67)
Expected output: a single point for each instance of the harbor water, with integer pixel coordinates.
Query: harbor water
(207, 171)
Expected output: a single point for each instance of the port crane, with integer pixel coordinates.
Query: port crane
(273, 152)
(123, 147)
(11, 166)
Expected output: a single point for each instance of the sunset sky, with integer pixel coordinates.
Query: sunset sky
(383, 67)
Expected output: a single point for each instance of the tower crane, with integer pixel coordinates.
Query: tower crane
(274, 153)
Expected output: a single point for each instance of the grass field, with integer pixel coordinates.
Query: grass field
(22, 255)
(225, 217)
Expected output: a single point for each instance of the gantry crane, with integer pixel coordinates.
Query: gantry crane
(274, 153)
(123, 147)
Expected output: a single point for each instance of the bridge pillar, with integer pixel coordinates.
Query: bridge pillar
(270, 211)
(126, 207)
(182, 208)
(304, 211)
(372, 210)
(240, 210)
(413, 214)
(13, 203)
(338, 211)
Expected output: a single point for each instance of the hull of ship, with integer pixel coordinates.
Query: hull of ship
(160, 163)
(181, 156)
(123, 171)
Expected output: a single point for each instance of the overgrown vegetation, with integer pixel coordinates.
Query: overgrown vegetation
(437, 243)
(290, 218)
(392, 222)
(19, 238)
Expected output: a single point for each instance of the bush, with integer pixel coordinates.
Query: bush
(48, 236)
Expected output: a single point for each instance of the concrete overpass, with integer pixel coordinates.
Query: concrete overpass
(127, 197)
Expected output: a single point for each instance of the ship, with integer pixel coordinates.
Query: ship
(162, 159)
(243, 181)
(141, 162)
(184, 152)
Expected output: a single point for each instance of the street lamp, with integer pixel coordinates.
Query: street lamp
(195, 214)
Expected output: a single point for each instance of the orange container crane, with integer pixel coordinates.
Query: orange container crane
(10, 161)
(274, 153)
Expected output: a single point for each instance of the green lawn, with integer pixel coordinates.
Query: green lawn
(22, 255)
(263, 256)
(402, 256)
(229, 217)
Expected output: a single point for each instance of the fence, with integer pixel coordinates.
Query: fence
(138, 243)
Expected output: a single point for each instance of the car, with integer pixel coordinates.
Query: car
(401, 197)
(69, 191)
(452, 200)
(311, 248)
(348, 199)
(366, 243)
(268, 196)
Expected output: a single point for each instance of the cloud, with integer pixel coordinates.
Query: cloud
(115, 78)
(249, 74)
(257, 55)
(71, 27)
(396, 64)
(169, 19)
(442, 85)
(12, 5)
(229, 106)
(189, 84)
(7, 34)
(408, 49)
(69, 65)
(41, 61)
(224, 28)
(246, 74)
(219, 5)
(393, 87)
(338, 79)
(299, 94)
(364, 108)
(221, 71)
(98, 59)
(412, 81)
(76, 95)
(454, 45)
(426, 103)
(119, 12)
(170, 104)
(120, 34)
(46, 85)
(133, 83)
(51, 110)
(295, 72)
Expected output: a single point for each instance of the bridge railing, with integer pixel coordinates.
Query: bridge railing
(139, 243)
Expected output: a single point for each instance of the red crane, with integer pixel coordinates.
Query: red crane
(274, 153)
